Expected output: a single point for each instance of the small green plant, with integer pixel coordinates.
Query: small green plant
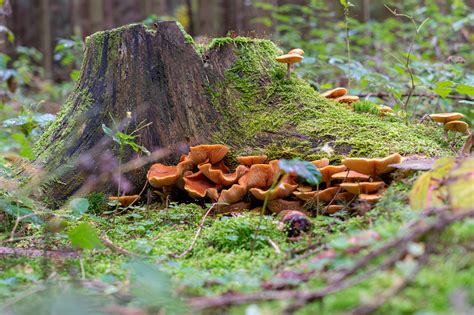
(366, 107)
(97, 203)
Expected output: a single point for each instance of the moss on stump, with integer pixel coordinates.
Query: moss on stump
(231, 92)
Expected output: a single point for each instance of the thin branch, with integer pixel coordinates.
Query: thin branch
(190, 248)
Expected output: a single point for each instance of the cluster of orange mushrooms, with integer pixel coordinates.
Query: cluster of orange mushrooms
(451, 122)
(203, 175)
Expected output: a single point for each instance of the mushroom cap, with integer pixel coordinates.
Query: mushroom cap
(347, 99)
(251, 159)
(457, 125)
(289, 58)
(160, 175)
(217, 176)
(331, 209)
(212, 153)
(335, 93)
(363, 187)
(281, 191)
(328, 171)
(372, 198)
(350, 176)
(372, 166)
(385, 109)
(235, 193)
(321, 163)
(279, 205)
(304, 195)
(259, 176)
(298, 51)
(197, 185)
(125, 201)
(446, 117)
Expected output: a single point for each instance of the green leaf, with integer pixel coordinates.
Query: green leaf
(17, 211)
(465, 89)
(79, 206)
(303, 169)
(25, 147)
(74, 75)
(85, 236)
(443, 88)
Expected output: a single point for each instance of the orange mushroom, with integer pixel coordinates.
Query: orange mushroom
(325, 195)
(197, 185)
(298, 51)
(372, 167)
(217, 176)
(363, 187)
(235, 193)
(289, 59)
(351, 176)
(457, 126)
(281, 191)
(259, 176)
(235, 207)
(125, 201)
(347, 99)
(211, 153)
(446, 117)
(251, 159)
(328, 171)
(160, 175)
(321, 163)
(370, 198)
(334, 93)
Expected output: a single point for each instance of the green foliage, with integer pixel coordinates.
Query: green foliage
(97, 203)
(85, 236)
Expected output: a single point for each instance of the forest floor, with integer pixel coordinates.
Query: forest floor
(225, 260)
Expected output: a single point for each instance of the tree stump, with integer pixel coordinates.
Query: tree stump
(231, 91)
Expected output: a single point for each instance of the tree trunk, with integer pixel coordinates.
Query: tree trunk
(157, 77)
(233, 93)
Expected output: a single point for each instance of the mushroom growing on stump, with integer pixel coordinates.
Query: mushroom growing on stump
(446, 117)
(251, 159)
(298, 51)
(351, 176)
(456, 126)
(217, 176)
(259, 176)
(197, 185)
(363, 188)
(281, 191)
(211, 153)
(334, 93)
(321, 163)
(289, 59)
(347, 99)
(328, 171)
(373, 167)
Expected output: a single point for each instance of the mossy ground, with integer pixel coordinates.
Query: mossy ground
(264, 111)
(222, 258)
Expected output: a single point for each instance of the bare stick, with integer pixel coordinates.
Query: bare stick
(108, 243)
(190, 248)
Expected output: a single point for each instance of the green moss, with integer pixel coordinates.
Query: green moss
(262, 109)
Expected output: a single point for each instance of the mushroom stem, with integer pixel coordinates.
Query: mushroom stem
(288, 72)
(446, 134)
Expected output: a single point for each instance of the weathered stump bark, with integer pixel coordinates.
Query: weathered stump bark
(231, 92)
(155, 76)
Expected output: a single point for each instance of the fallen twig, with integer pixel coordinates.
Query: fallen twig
(338, 284)
(30, 252)
(190, 248)
(108, 243)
